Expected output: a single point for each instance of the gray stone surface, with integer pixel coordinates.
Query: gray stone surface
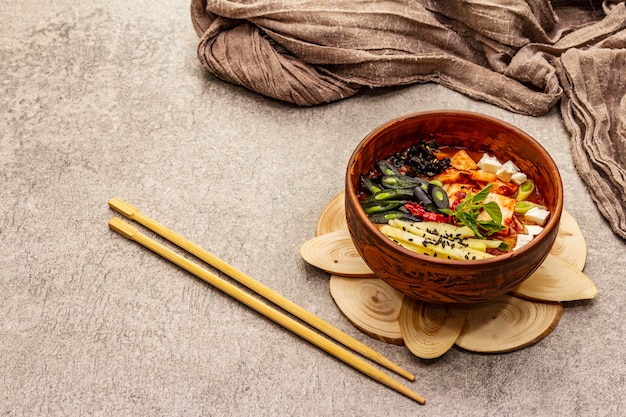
(103, 100)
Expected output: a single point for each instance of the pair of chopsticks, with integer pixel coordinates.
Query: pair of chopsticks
(127, 230)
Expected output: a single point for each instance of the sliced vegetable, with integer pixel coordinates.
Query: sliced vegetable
(387, 169)
(371, 185)
(432, 244)
(447, 230)
(386, 195)
(477, 244)
(439, 197)
(421, 196)
(521, 207)
(488, 243)
(402, 181)
(383, 218)
(525, 190)
(384, 206)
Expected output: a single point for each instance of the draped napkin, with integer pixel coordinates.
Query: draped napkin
(524, 56)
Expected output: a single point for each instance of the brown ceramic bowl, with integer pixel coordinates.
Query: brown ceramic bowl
(437, 280)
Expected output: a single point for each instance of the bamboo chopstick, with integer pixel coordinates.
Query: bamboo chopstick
(131, 212)
(130, 232)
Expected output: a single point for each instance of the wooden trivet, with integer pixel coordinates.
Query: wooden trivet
(510, 322)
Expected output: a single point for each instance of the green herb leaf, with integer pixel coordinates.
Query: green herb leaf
(493, 210)
(468, 211)
(504, 246)
(482, 194)
(469, 220)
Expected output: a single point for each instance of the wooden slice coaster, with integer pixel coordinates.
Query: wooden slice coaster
(570, 244)
(507, 323)
(335, 253)
(430, 330)
(333, 217)
(371, 305)
(556, 280)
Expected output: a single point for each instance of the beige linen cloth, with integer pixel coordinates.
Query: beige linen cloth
(524, 56)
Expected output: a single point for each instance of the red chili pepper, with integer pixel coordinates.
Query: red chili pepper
(435, 217)
(415, 209)
(419, 211)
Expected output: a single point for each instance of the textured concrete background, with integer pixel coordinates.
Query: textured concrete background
(104, 100)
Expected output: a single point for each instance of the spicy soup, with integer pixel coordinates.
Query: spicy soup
(453, 201)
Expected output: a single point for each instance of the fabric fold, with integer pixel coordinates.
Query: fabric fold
(521, 55)
(594, 112)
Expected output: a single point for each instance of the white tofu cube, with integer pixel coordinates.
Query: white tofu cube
(522, 239)
(506, 171)
(518, 178)
(533, 229)
(537, 215)
(489, 164)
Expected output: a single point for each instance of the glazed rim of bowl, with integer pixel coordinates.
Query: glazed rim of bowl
(555, 213)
